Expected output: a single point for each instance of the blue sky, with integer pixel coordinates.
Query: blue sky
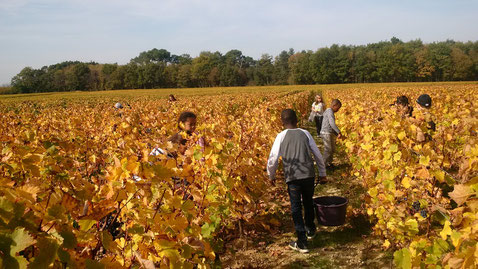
(37, 33)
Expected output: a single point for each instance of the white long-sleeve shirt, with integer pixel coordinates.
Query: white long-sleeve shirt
(294, 146)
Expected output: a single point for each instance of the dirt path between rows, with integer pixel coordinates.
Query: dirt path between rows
(351, 245)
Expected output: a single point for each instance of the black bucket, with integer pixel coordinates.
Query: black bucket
(330, 210)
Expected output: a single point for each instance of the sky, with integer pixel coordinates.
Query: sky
(38, 33)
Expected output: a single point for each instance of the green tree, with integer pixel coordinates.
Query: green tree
(131, 79)
(264, 71)
(204, 69)
(364, 65)
(106, 75)
(184, 78)
(281, 66)
(425, 68)
(152, 56)
(77, 77)
(27, 81)
(151, 75)
(439, 56)
(299, 66)
(462, 65)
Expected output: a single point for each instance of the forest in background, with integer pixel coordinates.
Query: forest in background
(386, 61)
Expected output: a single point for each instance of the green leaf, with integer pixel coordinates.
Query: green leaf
(63, 255)
(412, 225)
(136, 229)
(56, 212)
(22, 240)
(186, 252)
(402, 258)
(207, 229)
(440, 246)
(187, 205)
(47, 255)
(106, 239)
(86, 224)
(198, 154)
(7, 261)
(69, 239)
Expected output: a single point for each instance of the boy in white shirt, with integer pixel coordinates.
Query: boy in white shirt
(294, 146)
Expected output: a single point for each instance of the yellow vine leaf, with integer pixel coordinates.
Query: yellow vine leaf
(401, 135)
(406, 182)
(446, 230)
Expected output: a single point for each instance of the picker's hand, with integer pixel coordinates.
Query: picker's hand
(340, 136)
(321, 180)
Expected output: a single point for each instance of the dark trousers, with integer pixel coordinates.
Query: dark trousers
(318, 123)
(301, 192)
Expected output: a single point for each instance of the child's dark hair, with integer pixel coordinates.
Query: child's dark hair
(288, 116)
(184, 117)
(336, 102)
(402, 100)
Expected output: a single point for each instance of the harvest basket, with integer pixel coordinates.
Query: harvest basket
(330, 210)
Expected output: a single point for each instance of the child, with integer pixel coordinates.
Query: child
(171, 98)
(330, 132)
(186, 123)
(318, 108)
(423, 118)
(294, 145)
(402, 106)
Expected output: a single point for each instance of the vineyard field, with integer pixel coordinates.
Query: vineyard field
(80, 189)
(68, 170)
(422, 193)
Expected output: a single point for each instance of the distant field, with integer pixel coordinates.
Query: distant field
(118, 95)
(5, 90)
(150, 93)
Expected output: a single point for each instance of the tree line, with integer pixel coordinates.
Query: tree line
(386, 61)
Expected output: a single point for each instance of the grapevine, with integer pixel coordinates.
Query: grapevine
(423, 196)
(67, 179)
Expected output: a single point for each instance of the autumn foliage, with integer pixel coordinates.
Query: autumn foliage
(423, 196)
(79, 188)
(69, 196)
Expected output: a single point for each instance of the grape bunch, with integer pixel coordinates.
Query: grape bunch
(423, 213)
(415, 208)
